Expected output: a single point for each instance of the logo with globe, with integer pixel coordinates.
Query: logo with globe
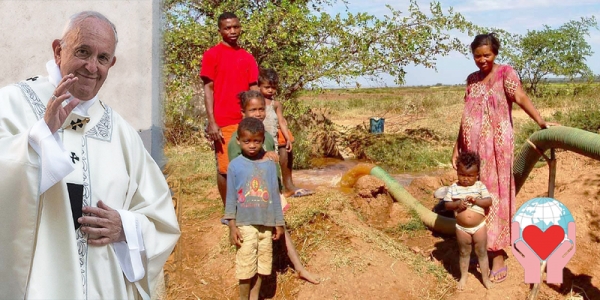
(543, 230)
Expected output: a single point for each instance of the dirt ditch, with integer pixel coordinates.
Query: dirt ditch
(362, 244)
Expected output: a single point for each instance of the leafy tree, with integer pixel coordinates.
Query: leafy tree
(305, 44)
(560, 52)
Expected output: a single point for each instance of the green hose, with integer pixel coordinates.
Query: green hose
(429, 218)
(573, 139)
(579, 141)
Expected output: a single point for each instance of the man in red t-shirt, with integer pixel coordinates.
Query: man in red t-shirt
(226, 71)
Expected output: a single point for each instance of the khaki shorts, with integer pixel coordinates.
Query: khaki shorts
(256, 253)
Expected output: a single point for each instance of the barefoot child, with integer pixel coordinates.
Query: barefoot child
(253, 106)
(276, 125)
(469, 198)
(252, 208)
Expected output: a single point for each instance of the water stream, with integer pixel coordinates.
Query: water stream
(329, 173)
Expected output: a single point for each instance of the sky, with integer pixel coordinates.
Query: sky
(514, 16)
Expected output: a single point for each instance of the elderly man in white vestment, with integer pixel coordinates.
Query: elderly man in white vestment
(86, 212)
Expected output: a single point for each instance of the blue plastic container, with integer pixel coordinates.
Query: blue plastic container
(377, 124)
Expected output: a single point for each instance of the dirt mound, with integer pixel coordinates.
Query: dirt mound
(398, 215)
(372, 200)
(336, 237)
(333, 240)
(369, 187)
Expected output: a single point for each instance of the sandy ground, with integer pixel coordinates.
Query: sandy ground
(351, 249)
(577, 186)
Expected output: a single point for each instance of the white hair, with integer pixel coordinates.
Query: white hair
(77, 18)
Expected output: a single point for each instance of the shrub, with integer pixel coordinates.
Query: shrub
(182, 118)
(586, 117)
(412, 151)
(522, 133)
(314, 133)
(407, 154)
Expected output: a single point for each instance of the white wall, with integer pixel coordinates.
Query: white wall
(133, 85)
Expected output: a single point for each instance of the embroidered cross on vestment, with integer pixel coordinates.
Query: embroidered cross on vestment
(74, 157)
(79, 123)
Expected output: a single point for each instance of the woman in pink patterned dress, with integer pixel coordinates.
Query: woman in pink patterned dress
(487, 129)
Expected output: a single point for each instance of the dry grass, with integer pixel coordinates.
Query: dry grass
(316, 223)
(193, 165)
(437, 111)
(575, 295)
(428, 107)
(327, 220)
(403, 108)
(391, 246)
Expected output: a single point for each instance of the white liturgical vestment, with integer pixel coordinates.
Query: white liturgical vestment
(43, 253)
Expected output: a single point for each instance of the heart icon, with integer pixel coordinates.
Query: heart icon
(543, 243)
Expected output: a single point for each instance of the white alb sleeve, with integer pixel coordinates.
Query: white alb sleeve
(55, 163)
(130, 252)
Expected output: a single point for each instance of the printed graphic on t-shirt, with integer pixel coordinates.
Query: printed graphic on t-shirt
(255, 192)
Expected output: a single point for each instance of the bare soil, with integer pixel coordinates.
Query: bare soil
(577, 186)
(361, 243)
(357, 254)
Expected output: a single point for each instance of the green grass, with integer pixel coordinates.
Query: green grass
(191, 174)
(191, 164)
(415, 223)
(439, 109)
(411, 157)
(413, 109)
(586, 116)
(411, 228)
(432, 116)
(401, 153)
(302, 150)
(522, 131)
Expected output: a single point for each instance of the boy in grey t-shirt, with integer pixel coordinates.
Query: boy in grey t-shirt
(253, 208)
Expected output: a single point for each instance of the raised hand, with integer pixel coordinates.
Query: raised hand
(56, 114)
(525, 255)
(560, 257)
(103, 225)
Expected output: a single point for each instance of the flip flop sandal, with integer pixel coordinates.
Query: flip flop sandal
(302, 193)
(492, 274)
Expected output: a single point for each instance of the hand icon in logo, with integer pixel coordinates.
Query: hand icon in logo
(543, 237)
(525, 255)
(556, 257)
(560, 257)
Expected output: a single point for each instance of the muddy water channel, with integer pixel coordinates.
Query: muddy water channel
(329, 172)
